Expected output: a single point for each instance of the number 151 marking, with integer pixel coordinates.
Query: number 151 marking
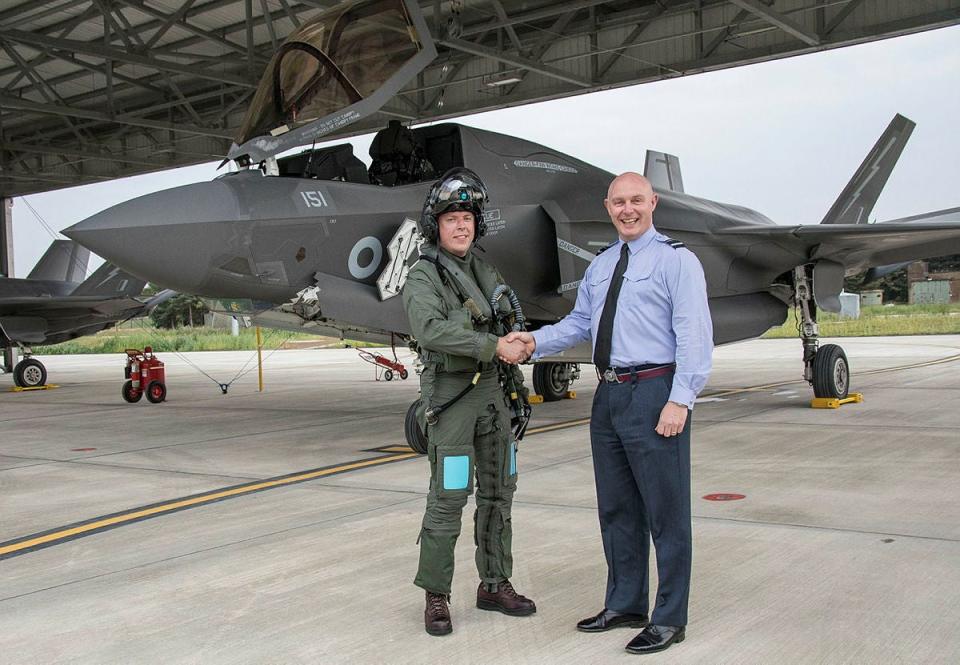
(314, 199)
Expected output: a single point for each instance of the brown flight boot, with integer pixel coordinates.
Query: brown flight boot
(436, 616)
(505, 599)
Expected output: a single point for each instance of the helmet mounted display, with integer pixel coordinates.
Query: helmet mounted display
(460, 189)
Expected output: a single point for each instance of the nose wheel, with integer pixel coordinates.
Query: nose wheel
(831, 372)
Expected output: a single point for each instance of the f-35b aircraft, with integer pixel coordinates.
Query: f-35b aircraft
(316, 241)
(55, 303)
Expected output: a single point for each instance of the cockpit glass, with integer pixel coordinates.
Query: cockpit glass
(340, 57)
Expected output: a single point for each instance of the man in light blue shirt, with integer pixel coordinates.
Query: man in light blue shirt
(643, 303)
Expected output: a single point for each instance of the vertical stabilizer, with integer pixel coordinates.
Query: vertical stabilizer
(663, 171)
(64, 261)
(857, 199)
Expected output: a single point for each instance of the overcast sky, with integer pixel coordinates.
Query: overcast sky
(781, 137)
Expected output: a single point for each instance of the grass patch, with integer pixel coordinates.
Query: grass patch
(880, 320)
(136, 335)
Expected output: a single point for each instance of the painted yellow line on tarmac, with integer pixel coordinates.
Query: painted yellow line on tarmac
(397, 453)
(68, 533)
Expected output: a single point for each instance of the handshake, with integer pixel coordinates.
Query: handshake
(513, 348)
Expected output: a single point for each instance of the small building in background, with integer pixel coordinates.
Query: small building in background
(925, 287)
(871, 298)
(849, 306)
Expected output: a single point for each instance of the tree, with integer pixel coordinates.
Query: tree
(180, 310)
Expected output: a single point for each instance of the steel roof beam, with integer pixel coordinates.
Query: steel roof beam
(776, 18)
(842, 15)
(514, 60)
(555, 9)
(109, 53)
(629, 41)
(72, 111)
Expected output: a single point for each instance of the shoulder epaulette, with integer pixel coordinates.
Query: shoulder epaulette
(676, 244)
(603, 249)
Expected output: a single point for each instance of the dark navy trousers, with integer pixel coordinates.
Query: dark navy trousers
(643, 491)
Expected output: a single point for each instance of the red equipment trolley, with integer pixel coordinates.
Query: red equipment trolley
(145, 374)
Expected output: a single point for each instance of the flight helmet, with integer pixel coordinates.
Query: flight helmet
(458, 189)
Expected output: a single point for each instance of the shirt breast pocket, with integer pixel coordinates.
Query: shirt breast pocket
(638, 284)
(599, 285)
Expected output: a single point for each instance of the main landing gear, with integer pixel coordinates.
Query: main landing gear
(552, 380)
(824, 367)
(29, 373)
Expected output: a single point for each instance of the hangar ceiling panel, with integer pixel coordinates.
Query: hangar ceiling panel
(99, 89)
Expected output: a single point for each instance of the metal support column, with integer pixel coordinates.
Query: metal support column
(10, 356)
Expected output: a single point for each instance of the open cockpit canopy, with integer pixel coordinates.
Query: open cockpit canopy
(342, 66)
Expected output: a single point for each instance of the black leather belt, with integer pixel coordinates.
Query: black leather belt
(638, 373)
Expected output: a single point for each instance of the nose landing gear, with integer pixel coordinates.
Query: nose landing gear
(825, 368)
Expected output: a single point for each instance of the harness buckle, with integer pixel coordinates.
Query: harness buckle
(610, 375)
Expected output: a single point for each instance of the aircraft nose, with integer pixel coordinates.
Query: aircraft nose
(166, 237)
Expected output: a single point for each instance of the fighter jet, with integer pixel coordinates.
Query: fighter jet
(54, 303)
(316, 241)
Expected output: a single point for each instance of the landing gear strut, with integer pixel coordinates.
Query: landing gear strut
(825, 368)
(552, 380)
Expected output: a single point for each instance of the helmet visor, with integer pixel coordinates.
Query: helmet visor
(461, 189)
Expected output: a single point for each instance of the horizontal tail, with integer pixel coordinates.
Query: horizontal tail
(64, 261)
(111, 281)
(857, 199)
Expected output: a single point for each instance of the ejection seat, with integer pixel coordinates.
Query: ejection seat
(334, 163)
(398, 159)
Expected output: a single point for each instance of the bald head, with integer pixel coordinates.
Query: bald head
(628, 179)
(630, 203)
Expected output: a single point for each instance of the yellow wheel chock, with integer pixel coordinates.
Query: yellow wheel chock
(834, 403)
(18, 389)
(538, 399)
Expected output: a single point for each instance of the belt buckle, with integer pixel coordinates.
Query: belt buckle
(610, 375)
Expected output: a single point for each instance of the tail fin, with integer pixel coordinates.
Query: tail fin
(857, 199)
(663, 171)
(111, 281)
(64, 261)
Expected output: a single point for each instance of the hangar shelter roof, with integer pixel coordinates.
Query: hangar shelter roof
(99, 89)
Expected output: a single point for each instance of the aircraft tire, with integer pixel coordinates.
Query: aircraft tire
(549, 381)
(29, 373)
(156, 392)
(129, 394)
(412, 432)
(831, 372)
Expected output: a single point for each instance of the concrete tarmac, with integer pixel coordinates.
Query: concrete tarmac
(845, 549)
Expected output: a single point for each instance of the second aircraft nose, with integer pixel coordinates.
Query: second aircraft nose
(168, 238)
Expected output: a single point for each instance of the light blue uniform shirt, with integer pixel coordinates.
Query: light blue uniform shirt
(662, 313)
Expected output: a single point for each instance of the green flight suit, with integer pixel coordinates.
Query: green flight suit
(473, 436)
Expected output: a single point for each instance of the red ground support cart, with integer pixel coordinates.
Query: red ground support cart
(145, 374)
(384, 365)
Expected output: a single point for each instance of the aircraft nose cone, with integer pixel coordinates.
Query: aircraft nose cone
(167, 237)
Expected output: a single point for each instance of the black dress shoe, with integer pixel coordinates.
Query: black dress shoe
(656, 638)
(608, 619)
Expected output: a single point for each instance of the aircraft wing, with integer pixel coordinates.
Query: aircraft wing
(40, 320)
(855, 246)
